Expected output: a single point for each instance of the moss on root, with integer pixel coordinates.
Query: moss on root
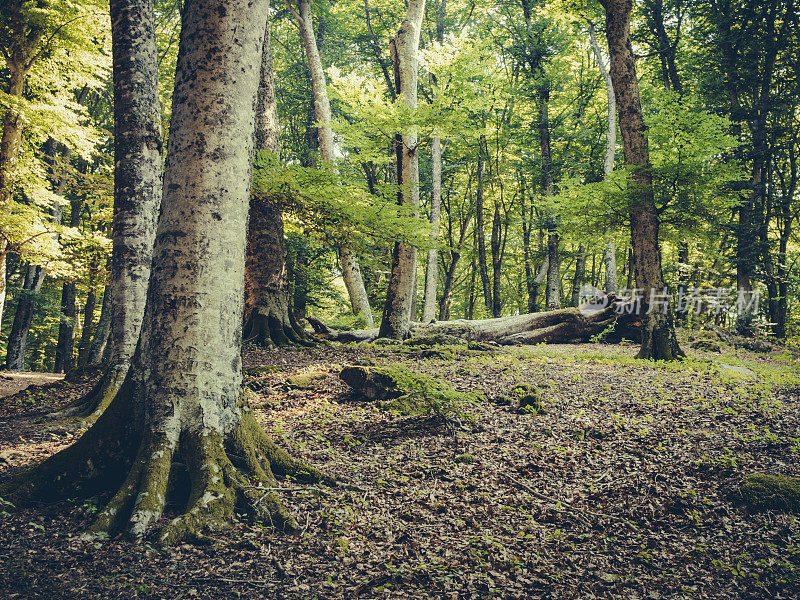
(225, 475)
(404, 392)
(779, 492)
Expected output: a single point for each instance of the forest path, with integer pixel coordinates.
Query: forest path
(12, 382)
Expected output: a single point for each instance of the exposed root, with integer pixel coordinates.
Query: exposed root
(266, 328)
(93, 404)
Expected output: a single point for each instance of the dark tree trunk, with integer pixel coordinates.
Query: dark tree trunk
(658, 333)
(266, 288)
(88, 319)
(101, 333)
(497, 262)
(66, 330)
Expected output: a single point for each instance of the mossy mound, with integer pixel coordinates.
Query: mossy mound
(707, 345)
(464, 459)
(402, 391)
(260, 371)
(304, 381)
(526, 398)
(779, 492)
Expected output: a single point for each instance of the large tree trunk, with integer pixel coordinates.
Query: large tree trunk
(400, 292)
(658, 333)
(558, 326)
(137, 190)
(266, 314)
(183, 397)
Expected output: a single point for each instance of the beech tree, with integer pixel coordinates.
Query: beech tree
(268, 320)
(183, 396)
(351, 270)
(658, 332)
(400, 293)
(137, 192)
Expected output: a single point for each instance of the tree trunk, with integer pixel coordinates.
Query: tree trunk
(577, 282)
(497, 262)
(558, 327)
(183, 397)
(611, 128)
(137, 191)
(23, 317)
(267, 320)
(553, 288)
(432, 263)
(611, 285)
(400, 292)
(354, 282)
(351, 270)
(101, 332)
(480, 232)
(658, 333)
(86, 329)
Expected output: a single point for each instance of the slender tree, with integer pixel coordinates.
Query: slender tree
(658, 332)
(351, 269)
(399, 295)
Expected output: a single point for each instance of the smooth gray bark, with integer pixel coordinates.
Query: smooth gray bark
(351, 270)
(611, 285)
(399, 295)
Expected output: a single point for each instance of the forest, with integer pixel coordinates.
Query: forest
(376, 299)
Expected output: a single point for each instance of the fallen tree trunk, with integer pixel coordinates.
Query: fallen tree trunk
(554, 327)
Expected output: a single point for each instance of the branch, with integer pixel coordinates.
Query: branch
(36, 56)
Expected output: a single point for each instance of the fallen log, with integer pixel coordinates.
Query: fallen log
(609, 318)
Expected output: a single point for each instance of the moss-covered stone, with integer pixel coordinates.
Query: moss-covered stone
(401, 391)
(707, 345)
(304, 381)
(528, 398)
(780, 492)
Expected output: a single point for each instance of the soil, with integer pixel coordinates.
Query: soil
(624, 487)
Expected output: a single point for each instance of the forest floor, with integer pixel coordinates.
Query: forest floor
(625, 488)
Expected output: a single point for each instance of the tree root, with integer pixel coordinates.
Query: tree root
(265, 328)
(90, 406)
(236, 473)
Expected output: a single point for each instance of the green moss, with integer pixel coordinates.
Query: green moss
(780, 492)
(529, 398)
(707, 345)
(304, 381)
(405, 392)
(465, 459)
(260, 371)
